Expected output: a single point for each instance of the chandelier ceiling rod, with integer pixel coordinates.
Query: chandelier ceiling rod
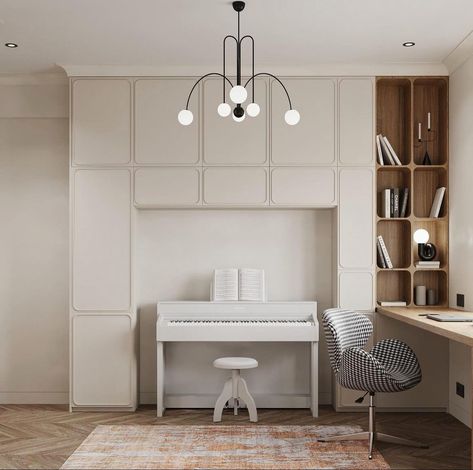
(238, 93)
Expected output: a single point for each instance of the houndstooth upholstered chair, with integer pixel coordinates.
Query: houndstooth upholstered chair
(391, 366)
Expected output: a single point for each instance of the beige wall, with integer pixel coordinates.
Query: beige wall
(33, 240)
(461, 225)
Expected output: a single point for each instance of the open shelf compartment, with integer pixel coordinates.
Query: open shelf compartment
(438, 235)
(394, 285)
(436, 280)
(393, 178)
(397, 238)
(426, 182)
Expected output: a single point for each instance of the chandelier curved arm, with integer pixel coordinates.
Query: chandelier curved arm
(252, 65)
(224, 56)
(276, 78)
(200, 79)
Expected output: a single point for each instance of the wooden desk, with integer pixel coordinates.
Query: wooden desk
(460, 332)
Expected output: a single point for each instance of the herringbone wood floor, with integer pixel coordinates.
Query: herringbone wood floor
(40, 436)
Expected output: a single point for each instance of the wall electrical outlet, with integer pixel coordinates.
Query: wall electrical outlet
(460, 390)
(460, 300)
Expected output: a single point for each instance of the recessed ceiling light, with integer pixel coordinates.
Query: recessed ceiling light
(409, 44)
(11, 45)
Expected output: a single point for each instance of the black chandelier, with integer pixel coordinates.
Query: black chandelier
(238, 92)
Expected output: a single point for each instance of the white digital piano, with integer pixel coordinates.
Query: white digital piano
(236, 322)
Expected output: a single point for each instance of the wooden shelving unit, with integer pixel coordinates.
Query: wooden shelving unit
(402, 102)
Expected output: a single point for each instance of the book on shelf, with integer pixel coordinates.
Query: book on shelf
(385, 253)
(437, 204)
(233, 284)
(381, 260)
(392, 303)
(394, 202)
(386, 153)
(427, 265)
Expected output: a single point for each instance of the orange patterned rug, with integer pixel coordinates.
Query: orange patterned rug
(221, 447)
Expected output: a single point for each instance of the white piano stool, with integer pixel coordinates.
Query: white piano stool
(235, 387)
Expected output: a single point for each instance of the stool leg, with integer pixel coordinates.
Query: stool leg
(235, 379)
(244, 394)
(226, 394)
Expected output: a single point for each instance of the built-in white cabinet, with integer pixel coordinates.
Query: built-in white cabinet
(356, 218)
(356, 121)
(226, 142)
(102, 360)
(101, 240)
(312, 140)
(101, 121)
(356, 290)
(167, 187)
(303, 186)
(159, 138)
(245, 186)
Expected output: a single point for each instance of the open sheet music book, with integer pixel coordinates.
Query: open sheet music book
(238, 284)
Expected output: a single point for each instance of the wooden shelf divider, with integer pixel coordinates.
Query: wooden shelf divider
(403, 102)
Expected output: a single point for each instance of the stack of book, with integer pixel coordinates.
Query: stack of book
(394, 202)
(386, 153)
(392, 303)
(384, 260)
(428, 265)
(437, 204)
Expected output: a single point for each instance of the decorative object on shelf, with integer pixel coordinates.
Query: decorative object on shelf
(238, 92)
(420, 295)
(425, 141)
(426, 251)
(431, 297)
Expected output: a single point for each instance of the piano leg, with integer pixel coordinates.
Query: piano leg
(314, 379)
(160, 378)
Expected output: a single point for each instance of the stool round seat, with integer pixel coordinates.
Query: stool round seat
(235, 363)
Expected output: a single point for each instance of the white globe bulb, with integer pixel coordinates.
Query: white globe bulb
(292, 117)
(238, 119)
(224, 109)
(238, 94)
(421, 236)
(253, 109)
(185, 117)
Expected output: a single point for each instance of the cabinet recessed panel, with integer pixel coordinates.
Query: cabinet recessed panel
(226, 142)
(101, 267)
(356, 121)
(235, 186)
(101, 122)
(167, 187)
(356, 218)
(303, 186)
(102, 360)
(159, 137)
(356, 290)
(312, 140)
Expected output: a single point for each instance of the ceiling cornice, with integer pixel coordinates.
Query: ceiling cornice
(397, 69)
(460, 54)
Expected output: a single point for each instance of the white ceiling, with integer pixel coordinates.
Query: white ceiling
(187, 33)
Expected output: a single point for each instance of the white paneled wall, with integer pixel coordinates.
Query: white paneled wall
(325, 161)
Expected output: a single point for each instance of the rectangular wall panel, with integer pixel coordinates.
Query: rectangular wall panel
(356, 290)
(235, 186)
(356, 212)
(356, 131)
(101, 266)
(159, 137)
(226, 142)
(312, 140)
(101, 121)
(169, 186)
(102, 352)
(303, 186)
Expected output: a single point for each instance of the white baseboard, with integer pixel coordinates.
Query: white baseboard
(208, 400)
(34, 398)
(460, 413)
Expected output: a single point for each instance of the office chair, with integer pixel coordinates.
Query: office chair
(391, 366)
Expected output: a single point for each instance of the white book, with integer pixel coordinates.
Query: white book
(393, 303)
(385, 252)
(386, 203)
(225, 285)
(380, 151)
(386, 151)
(428, 263)
(251, 285)
(391, 150)
(437, 204)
